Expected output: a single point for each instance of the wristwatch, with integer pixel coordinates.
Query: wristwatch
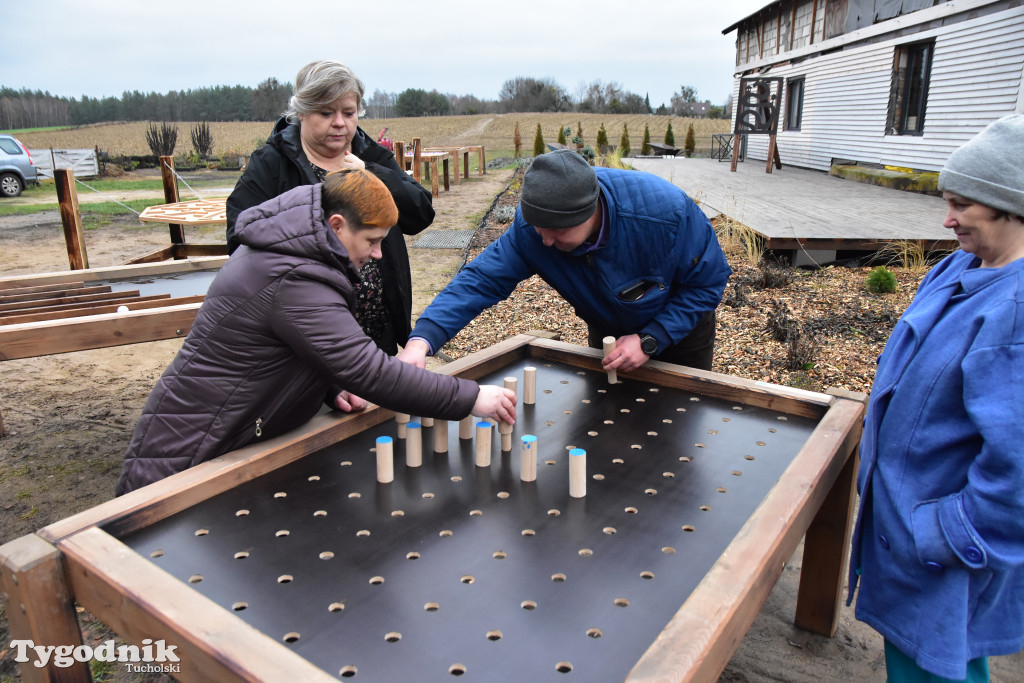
(648, 344)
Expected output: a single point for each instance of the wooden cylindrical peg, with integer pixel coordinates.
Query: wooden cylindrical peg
(529, 385)
(385, 460)
(505, 430)
(466, 427)
(483, 443)
(528, 459)
(441, 436)
(577, 473)
(609, 346)
(426, 421)
(402, 419)
(414, 445)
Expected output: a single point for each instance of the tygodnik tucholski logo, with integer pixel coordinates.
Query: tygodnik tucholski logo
(152, 657)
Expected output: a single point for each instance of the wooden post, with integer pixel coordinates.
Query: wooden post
(466, 427)
(528, 459)
(577, 473)
(823, 573)
(38, 606)
(171, 197)
(504, 428)
(71, 217)
(417, 159)
(773, 155)
(400, 155)
(402, 419)
(426, 422)
(481, 163)
(441, 436)
(529, 385)
(609, 346)
(385, 459)
(736, 141)
(434, 190)
(483, 444)
(414, 445)
(446, 170)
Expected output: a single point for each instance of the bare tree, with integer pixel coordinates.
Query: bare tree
(521, 94)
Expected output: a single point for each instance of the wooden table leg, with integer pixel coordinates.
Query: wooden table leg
(39, 607)
(433, 179)
(825, 552)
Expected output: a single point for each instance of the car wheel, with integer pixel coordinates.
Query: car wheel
(10, 185)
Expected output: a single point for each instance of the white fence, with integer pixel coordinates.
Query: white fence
(82, 161)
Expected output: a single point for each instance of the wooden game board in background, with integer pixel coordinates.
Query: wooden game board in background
(164, 562)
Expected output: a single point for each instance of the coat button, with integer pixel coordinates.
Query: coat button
(933, 566)
(884, 541)
(972, 554)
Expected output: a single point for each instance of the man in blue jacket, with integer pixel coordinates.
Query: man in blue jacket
(636, 258)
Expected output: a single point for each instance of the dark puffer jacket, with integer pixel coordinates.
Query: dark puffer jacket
(281, 165)
(274, 333)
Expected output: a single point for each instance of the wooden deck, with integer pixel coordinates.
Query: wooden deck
(795, 208)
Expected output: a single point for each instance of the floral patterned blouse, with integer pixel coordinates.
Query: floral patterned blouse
(370, 311)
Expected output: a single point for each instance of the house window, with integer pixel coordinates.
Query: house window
(908, 95)
(794, 103)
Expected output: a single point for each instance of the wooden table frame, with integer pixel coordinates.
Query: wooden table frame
(464, 152)
(74, 560)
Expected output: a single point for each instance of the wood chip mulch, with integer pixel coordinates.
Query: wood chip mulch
(811, 329)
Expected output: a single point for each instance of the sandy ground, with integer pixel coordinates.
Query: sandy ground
(68, 419)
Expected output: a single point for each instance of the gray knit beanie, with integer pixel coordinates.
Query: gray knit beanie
(989, 168)
(559, 191)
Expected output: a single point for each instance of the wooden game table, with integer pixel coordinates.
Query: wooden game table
(288, 560)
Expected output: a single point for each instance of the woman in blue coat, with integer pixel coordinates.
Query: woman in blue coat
(939, 544)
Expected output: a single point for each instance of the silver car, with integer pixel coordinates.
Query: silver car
(16, 168)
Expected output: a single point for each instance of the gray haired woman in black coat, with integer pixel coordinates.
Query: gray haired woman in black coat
(319, 133)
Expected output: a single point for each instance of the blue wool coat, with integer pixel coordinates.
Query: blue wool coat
(939, 539)
(656, 235)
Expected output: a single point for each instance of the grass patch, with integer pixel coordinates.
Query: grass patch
(737, 238)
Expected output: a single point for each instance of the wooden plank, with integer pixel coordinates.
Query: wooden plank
(29, 340)
(136, 304)
(55, 293)
(71, 218)
(84, 298)
(41, 288)
(171, 196)
(701, 638)
(212, 643)
(38, 606)
(113, 272)
(182, 251)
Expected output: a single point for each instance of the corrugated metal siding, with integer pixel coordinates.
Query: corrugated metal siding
(975, 78)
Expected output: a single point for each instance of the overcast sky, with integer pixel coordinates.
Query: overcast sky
(104, 47)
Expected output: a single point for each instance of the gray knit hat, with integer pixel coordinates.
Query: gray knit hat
(559, 190)
(989, 168)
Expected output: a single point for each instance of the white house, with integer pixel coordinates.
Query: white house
(898, 83)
